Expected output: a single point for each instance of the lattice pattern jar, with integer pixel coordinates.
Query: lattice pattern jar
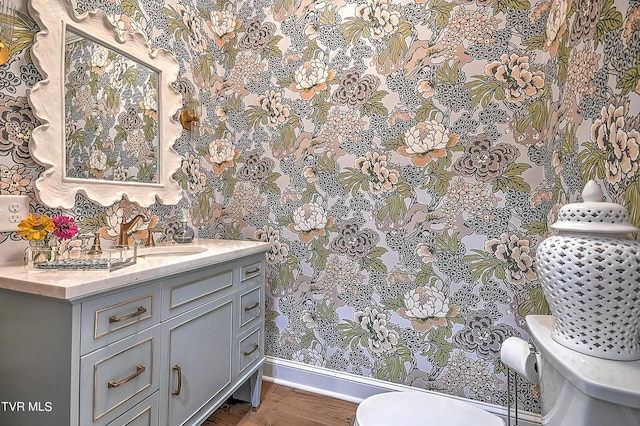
(590, 275)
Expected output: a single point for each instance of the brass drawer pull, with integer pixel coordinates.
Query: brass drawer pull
(252, 271)
(141, 310)
(248, 308)
(113, 384)
(255, 348)
(179, 388)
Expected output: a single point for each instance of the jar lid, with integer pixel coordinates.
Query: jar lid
(594, 214)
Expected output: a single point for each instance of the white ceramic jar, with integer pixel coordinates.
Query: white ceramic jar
(590, 275)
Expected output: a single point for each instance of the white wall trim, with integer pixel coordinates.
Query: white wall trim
(353, 388)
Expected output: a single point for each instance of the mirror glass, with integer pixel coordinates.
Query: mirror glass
(111, 114)
(106, 104)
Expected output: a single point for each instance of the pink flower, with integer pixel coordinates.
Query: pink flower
(65, 227)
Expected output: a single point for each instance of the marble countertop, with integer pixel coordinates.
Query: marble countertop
(73, 284)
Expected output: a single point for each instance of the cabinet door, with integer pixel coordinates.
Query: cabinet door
(198, 365)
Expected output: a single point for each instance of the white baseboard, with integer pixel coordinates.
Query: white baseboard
(353, 388)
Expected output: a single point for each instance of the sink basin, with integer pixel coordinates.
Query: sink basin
(170, 251)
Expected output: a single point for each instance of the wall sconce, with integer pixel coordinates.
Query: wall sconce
(190, 117)
(7, 21)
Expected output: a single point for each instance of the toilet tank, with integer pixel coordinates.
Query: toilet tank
(578, 389)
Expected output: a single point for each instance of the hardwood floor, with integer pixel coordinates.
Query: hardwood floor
(284, 406)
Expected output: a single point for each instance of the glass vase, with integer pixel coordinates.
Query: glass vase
(39, 253)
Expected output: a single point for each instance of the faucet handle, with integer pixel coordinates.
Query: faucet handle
(95, 247)
(150, 241)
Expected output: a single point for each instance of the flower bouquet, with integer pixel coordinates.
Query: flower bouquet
(43, 233)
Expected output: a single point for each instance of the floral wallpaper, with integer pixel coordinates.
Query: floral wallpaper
(111, 110)
(405, 158)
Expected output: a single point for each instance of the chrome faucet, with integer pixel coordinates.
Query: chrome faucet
(123, 239)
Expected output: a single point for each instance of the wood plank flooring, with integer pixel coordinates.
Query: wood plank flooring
(285, 406)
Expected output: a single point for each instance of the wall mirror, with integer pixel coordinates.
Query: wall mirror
(106, 105)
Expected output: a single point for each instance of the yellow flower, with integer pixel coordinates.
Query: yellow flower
(36, 227)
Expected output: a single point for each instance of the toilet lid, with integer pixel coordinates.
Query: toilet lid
(421, 409)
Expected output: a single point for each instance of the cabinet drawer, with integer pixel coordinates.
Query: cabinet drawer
(251, 270)
(110, 318)
(250, 307)
(143, 414)
(115, 378)
(250, 349)
(194, 289)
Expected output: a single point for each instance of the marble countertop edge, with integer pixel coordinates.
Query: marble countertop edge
(74, 284)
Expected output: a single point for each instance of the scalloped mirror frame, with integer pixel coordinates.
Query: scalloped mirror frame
(47, 144)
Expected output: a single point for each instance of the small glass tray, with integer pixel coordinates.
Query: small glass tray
(51, 258)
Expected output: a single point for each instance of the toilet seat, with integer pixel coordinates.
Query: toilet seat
(420, 409)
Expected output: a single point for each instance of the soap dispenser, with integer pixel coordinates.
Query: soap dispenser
(184, 234)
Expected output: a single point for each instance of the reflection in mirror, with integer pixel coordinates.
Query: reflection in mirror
(111, 117)
(106, 105)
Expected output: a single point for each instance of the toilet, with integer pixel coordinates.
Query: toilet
(579, 389)
(414, 408)
(576, 389)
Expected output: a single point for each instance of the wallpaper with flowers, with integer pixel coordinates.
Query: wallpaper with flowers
(111, 113)
(405, 158)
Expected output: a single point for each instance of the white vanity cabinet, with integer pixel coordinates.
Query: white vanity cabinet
(165, 351)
